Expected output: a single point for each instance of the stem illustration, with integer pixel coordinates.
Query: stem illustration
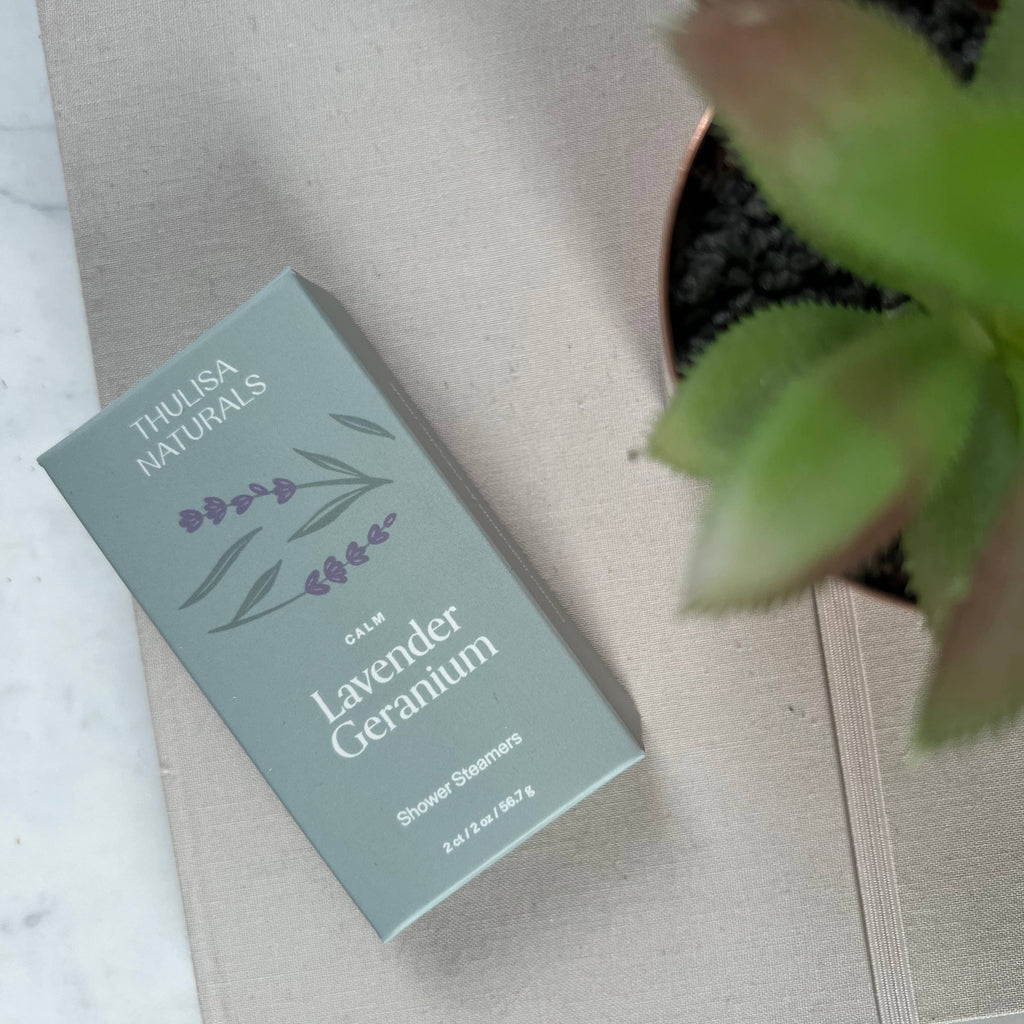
(334, 570)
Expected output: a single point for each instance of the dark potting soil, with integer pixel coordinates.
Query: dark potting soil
(731, 255)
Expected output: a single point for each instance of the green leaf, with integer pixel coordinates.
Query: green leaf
(363, 426)
(1015, 371)
(839, 463)
(979, 681)
(944, 540)
(258, 591)
(330, 463)
(220, 569)
(740, 375)
(327, 514)
(865, 144)
(1000, 72)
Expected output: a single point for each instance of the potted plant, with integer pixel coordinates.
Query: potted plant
(829, 430)
(726, 253)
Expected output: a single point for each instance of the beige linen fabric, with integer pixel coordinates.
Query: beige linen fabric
(483, 185)
(957, 831)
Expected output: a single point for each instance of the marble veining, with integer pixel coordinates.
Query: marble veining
(91, 923)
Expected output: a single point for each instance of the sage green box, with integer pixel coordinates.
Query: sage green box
(345, 600)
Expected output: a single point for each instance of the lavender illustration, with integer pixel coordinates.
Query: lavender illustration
(354, 484)
(216, 509)
(333, 572)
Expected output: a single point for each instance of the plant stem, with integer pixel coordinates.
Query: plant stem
(331, 483)
(361, 480)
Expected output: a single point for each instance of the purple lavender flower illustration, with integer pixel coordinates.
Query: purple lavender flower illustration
(191, 519)
(240, 502)
(215, 510)
(356, 554)
(334, 570)
(353, 484)
(283, 488)
(314, 586)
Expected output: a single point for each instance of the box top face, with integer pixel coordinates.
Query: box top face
(365, 642)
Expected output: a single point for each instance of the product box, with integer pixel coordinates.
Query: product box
(345, 600)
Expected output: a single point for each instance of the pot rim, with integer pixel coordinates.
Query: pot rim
(669, 374)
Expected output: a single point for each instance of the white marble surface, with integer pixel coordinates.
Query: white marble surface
(91, 925)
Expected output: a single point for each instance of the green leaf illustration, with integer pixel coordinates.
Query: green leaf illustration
(331, 463)
(363, 426)
(327, 514)
(219, 571)
(258, 591)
